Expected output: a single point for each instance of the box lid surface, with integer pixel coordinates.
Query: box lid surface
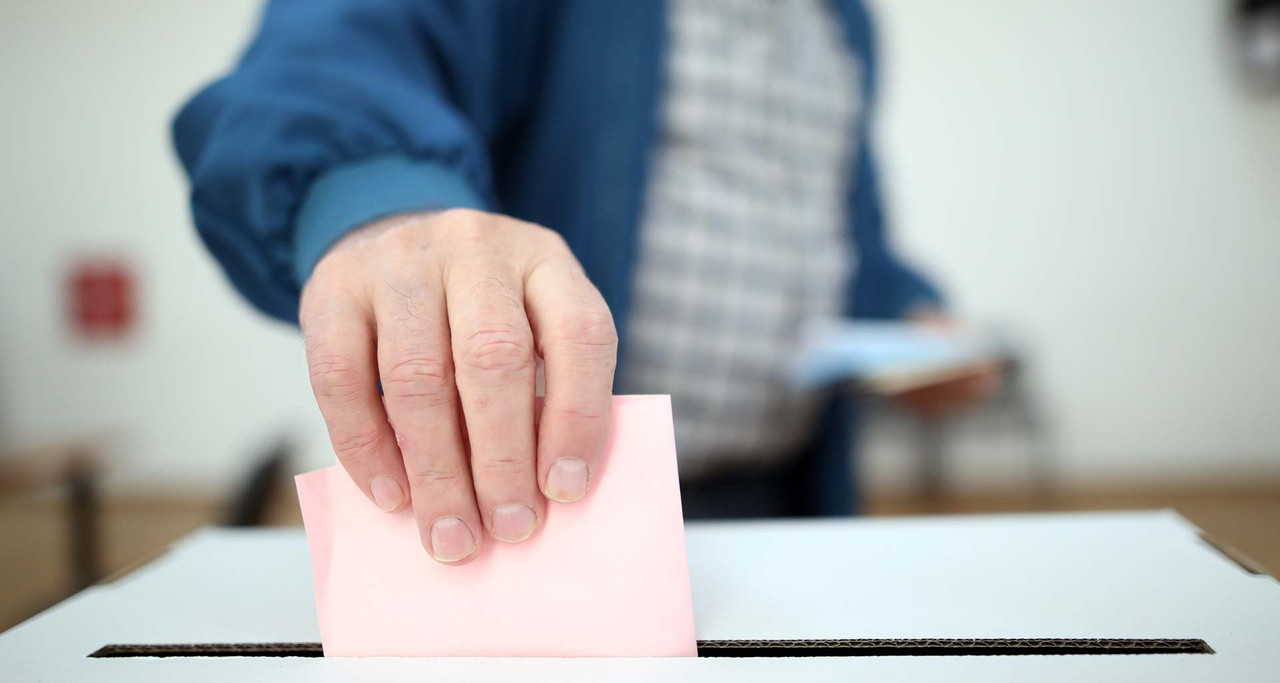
(1127, 575)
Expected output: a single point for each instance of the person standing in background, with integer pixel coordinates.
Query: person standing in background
(442, 192)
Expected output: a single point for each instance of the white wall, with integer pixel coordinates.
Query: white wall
(1088, 170)
(89, 89)
(1092, 171)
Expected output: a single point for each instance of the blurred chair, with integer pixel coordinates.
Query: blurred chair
(1017, 405)
(75, 467)
(252, 499)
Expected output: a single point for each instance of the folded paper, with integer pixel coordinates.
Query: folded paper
(606, 576)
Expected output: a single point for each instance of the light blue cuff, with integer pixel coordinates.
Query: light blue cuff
(349, 196)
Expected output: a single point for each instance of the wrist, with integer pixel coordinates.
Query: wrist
(368, 192)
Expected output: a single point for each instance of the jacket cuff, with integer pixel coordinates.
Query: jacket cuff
(349, 196)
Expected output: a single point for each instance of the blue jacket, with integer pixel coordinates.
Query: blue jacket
(344, 111)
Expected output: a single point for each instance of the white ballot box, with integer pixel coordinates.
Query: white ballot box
(1063, 597)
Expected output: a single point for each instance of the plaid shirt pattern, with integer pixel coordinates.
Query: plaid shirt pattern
(744, 233)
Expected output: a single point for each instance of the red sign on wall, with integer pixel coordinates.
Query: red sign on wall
(101, 298)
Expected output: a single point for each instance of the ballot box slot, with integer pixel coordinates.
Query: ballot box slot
(950, 647)
(853, 647)
(211, 650)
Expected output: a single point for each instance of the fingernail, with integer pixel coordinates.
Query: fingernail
(567, 480)
(513, 522)
(451, 540)
(387, 493)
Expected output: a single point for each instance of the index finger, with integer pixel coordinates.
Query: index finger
(576, 338)
(344, 379)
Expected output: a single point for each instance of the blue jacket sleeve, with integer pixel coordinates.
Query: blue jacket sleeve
(883, 286)
(341, 112)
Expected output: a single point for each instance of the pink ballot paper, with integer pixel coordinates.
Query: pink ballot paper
(606, 576)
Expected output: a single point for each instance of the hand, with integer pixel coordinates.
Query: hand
(966, 389)
(448, 310)
(951, 395)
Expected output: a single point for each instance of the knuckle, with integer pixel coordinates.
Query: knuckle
(419, 377)
(580, 413)
(409, 305)
(497, 350)
(328, 308)
(434, 476)
(508, 466)
(399, 238)
(336, 377)
(360, 447)
(587, 332)
(589, 326)
(494, 289)
(331, 268)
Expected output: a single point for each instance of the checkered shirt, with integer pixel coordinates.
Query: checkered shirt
(744, 232)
